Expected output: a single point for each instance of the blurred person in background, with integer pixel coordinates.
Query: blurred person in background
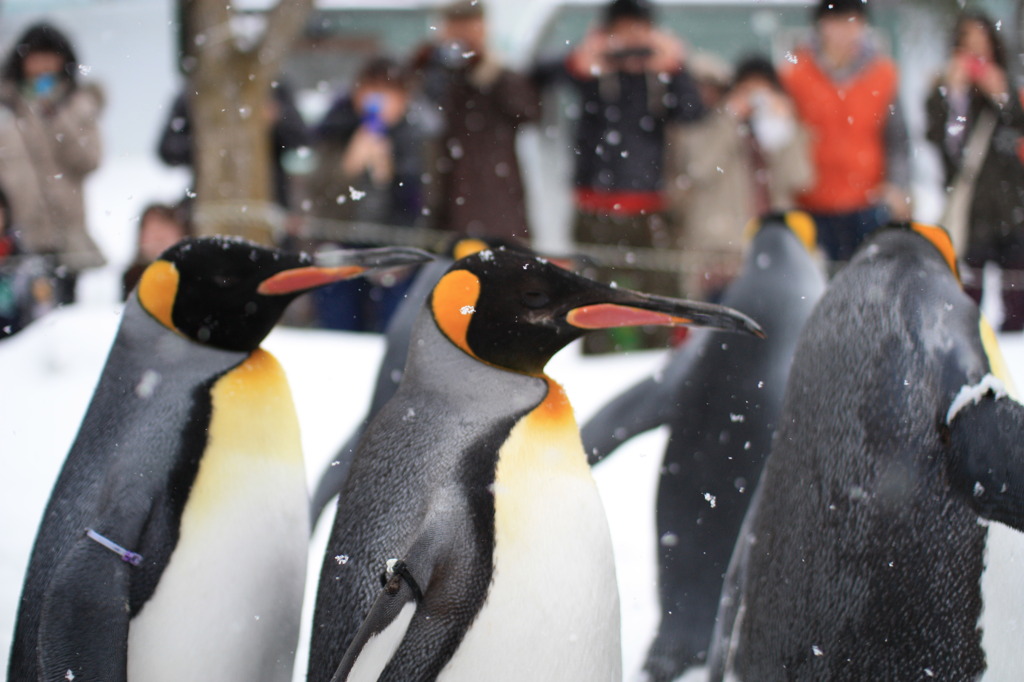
(370, 158)
(27, 287)
(287, 131)
(632, 82)
(160, 227)
(976, 121)
(476, 187)
(846, 94)
(750, 156)
(10, 250)
(49, 143)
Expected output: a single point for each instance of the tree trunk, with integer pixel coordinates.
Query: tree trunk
(232, 151)
(229, 99)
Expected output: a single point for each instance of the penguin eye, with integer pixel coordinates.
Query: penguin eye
(225, 281)
(535, 299)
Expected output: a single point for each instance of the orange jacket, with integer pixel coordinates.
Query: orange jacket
(847, 122)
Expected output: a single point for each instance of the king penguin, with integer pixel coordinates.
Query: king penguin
(173, 545)
(884, 542)
(396, 350)
(720, 396)
(470, 541)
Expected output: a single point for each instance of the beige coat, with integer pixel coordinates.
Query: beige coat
(713, 193)
(710, 190)
(44, 160)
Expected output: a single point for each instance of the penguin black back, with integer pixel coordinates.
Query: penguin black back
(862, 556)
(720, 396)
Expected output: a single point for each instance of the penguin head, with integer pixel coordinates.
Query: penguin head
(516, 311)
(463, 247)
(937, 237)
(229, 293)
(798, 222)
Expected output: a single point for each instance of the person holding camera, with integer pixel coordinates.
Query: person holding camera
(475, 186)
(632, 83)
(976, 120)
(370, 156)
(750, 156)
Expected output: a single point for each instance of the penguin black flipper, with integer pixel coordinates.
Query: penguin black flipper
(372, 653)
(641, 408)
(381, 633)
(651, 403)
(116, 555)
(989, 470)
(88, 628)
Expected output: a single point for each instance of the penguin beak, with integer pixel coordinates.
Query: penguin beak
(335, 266)
(625, 308)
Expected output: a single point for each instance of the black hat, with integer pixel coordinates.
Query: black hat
(628, 9)
(757, 66)
(826, 7)
(463, 9)
(40, 37)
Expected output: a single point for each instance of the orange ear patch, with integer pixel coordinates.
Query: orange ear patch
(158, 288)
(802, 225)
(453, 304)
(467, 247)
(940, 239)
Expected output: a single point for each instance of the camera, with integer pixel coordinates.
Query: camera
(976, 68)
(618, 56)
(454, 55)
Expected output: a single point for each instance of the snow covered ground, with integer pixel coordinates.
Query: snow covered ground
(50, 370)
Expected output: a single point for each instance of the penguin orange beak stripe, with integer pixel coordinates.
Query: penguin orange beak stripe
(301, 279)
(335, 266)
(610, 315)
(634, 309)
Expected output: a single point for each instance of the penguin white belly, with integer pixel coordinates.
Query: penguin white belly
(552, 611)
(228, 604)
(1002, 610)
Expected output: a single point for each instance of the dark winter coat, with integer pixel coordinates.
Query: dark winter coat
(477, 188)
(620, 131)
(289, 132)
(996, 219)
(399, 203)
